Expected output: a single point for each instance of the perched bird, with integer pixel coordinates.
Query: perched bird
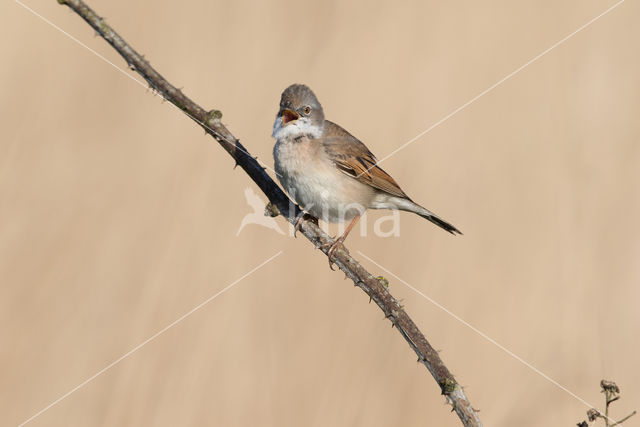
(330, 173)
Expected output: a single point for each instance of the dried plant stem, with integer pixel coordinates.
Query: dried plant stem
(617, 423)
(210, 121)
(611, 394)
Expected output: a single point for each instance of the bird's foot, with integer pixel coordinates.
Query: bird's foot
(303, 217)
(332, 248)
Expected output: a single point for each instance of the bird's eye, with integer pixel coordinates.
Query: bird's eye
(306, 110)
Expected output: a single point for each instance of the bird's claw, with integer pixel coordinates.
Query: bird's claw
(298, 224)
(332, 248)
(303, 217)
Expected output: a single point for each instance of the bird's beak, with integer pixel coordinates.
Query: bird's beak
(289, 116)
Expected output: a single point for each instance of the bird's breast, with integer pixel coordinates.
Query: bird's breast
(313, 181)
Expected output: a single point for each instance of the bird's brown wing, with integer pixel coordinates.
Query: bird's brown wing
(354, 159)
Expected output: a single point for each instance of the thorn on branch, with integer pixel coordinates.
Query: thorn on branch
(393, 316)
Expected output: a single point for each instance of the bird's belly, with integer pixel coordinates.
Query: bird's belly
(317, 185)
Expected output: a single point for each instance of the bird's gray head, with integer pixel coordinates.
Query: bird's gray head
(300, 114)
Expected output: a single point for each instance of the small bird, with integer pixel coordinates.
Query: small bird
(329, 172)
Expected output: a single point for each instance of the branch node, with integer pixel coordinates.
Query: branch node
(383, 281)
(271, 210)
(212, 117)
(448, 386)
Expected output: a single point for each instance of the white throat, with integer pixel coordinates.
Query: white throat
(295, 129)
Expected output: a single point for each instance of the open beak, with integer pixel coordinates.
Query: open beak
(289, 116)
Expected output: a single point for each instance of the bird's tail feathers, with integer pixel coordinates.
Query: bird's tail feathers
(440, 222)
(411, 206)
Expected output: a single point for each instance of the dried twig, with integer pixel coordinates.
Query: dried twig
(210, 121)
(611, 394)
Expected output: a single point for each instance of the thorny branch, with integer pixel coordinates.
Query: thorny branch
(372, 286)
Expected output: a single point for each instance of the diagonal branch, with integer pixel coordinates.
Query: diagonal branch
(210, 121)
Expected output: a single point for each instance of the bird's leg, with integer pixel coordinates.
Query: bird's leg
(302, 216)
(340, 240)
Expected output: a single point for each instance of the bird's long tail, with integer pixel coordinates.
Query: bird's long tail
(439, 222)
(410, 206)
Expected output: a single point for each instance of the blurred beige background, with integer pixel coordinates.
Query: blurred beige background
(117, 215)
